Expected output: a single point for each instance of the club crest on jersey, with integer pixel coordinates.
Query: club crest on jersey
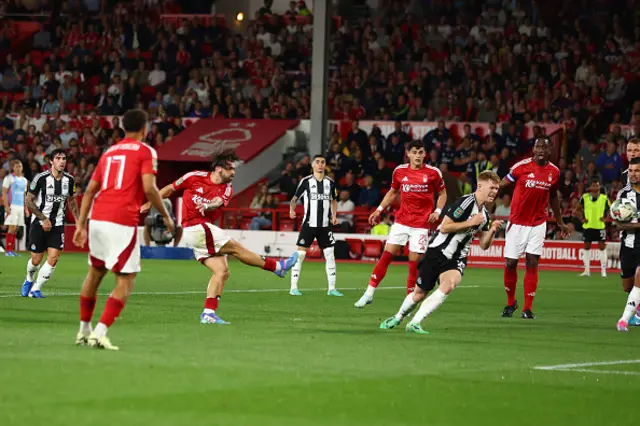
(65, 187)
(458, 213)
(550, 177)
(424, 179)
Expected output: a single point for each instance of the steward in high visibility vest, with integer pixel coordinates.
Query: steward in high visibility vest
(594, 209)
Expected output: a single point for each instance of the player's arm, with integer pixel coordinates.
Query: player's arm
(505, 183)
(580, 210)
(554, 201)
(449, 226)
(300, 191)
(35, 187)
(73, 204)
(334, 203)
(6, 184)
(627, 226)
(387, 201)
(487, 236)
(165, 192)
(153, 195)
(442, 201)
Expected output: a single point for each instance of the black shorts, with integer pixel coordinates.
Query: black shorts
(433, 264)
(40, 241)
(594, 235)
(323, 235)
(629, 261)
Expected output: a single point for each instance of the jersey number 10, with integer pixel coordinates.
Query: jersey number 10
(119, 162)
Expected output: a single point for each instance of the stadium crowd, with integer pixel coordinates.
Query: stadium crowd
(495, 61)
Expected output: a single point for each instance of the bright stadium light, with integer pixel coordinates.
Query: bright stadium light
(240, 17)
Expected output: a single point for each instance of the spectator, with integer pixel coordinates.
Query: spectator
(345, 204)
(369, 195)
(609, 164)
(383, 227)
(264, 219)
(351, 186)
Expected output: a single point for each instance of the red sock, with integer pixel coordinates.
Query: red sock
(530, 286)
(111, 311)
(510, 282)
(269, 264)
(211, 303)
(381, 269)
(87, 306)
(11, 240)
(413, 276)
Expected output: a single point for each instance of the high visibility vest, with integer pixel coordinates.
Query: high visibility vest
(594, 211)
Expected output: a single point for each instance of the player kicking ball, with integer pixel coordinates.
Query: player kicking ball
(536, 182)
(204, 194)
(417, 184)
(446, 258)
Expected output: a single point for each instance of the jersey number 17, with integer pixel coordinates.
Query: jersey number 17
(118, 161)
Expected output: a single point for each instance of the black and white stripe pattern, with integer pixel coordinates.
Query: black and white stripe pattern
(629, 238)
(457, 245)
(625, 178)
(51, 195)
(316, 196)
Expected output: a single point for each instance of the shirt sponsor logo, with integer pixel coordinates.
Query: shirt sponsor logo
(539, 184)
(317, 197)
(413, 187)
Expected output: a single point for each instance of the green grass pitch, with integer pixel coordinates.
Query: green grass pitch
(315, 360)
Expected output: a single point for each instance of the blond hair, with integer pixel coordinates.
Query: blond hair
(489, 175)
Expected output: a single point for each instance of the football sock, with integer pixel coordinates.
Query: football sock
(297, 268)
(603, 259)
(111, 312)
(530, 286)
(510, 282)
(432, 303)
(45, 274)
(413, 276)
(380, 269)
(633, 301)
(271, 265)
(330, 267)
(31, 271)
(11, 240)
(211, 304)
(587, 260)
(87, 306)
(407, 307)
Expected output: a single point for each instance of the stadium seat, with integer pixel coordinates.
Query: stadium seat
(287, 225)
(356, 247)
(373, 248)
(314, 251)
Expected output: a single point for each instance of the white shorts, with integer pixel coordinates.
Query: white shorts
(205, 240)
(114, 246)
(418, 237)
(15, 217)
(522, 239)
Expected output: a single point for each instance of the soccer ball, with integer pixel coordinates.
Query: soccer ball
(623, 210)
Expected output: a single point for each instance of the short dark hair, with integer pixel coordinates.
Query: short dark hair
(415, 144)
(634, 140)
(56, 152)
(635, 161)
(317, 156)
(595, 180)
(223, 157)
(135, 120)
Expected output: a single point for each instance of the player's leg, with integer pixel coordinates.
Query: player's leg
(11, 239)
(178, 236)
(449, 280)
(418, 239)
(586, 257)
(37, 254)
(305, 239)
(88, 299)
(327, 242)
(602, 247)
(426, 281)
(633, 301)
(46, 272)
(220, 274)
(244, 255)
(515, 244)
(533, 250)
(398, 237)
(112, 310)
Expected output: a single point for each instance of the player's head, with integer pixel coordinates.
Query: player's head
(16, 167)
(416, 153)
(594, 186)
(224, 164)
(318, 163)
(634, 171)
(633, 149)
(488, 186)
(136, 124)
(58, 160)
(541, 149)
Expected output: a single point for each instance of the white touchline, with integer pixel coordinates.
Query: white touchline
(581, 367)
(5, 295)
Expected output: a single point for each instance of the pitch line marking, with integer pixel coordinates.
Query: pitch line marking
(583, 367)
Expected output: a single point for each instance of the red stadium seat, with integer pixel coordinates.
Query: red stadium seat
(356, 247)
(373, 248)
(314, 251)
(287, 225)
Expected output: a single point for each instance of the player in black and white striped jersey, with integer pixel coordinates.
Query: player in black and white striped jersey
(319, 195)
(47, 200)
(633, 151)
(446, 257)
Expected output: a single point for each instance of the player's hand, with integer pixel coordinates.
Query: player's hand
(80, 237)
(7, 212)
(374, 218)
(292, 214)
(564, 230)
(334, 219)
(168, 222)
(46, 225)
(477, 219)
(434, 217)
(145, 207)
(496, 225)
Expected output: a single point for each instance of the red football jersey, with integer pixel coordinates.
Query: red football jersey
(119, 173)
(197, 187)
(534, 183)
(417, 193)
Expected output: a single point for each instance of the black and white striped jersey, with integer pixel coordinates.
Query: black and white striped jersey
(625, 178)
(629, 238)
(457, 245)
(51, 195)
(316, 196)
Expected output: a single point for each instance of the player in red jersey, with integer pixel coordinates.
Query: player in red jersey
(204, 195)
(417, 184)
(536, 186)
(125, 174)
